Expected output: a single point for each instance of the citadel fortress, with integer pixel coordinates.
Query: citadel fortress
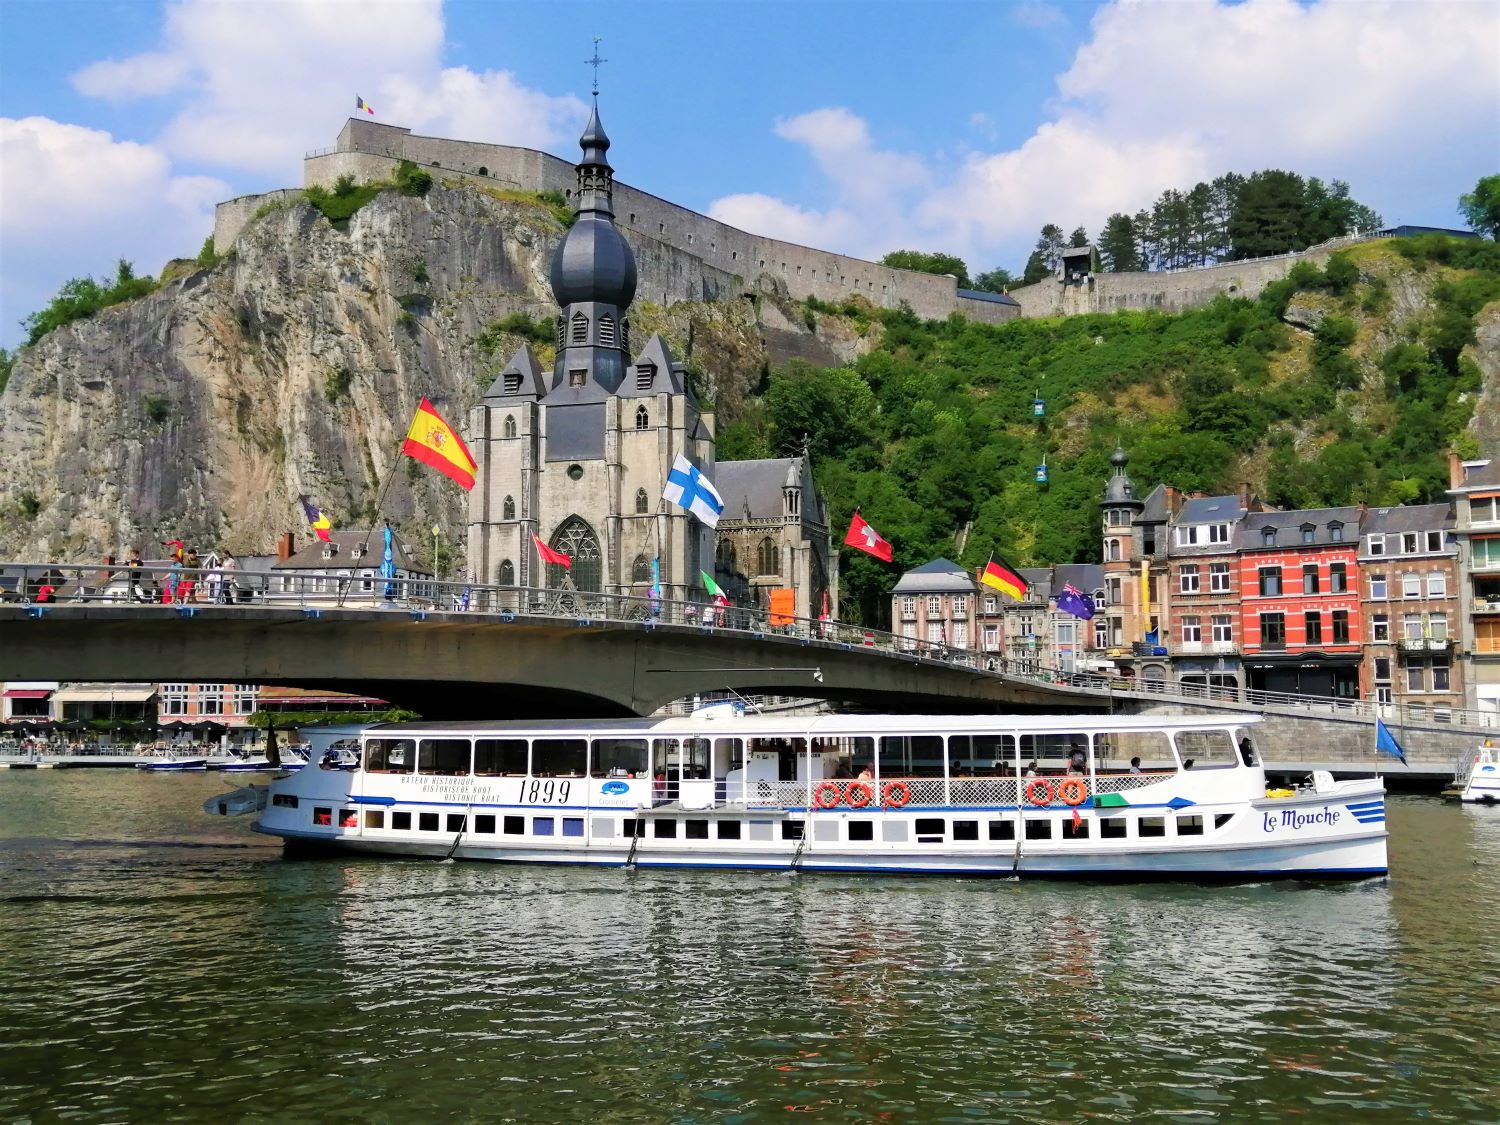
(369, 150)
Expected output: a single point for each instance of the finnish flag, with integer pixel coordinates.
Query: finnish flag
(689, 488)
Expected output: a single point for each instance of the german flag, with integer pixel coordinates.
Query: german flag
(1005, 578)
(437, 445)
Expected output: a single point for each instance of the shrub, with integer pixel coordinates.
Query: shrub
(337, 383)
(339, 203)
(158, 408)
(82, 297)
(416, 269)
(539, 331)
(7, 362)
(28, 505)
(207, 257)
(412, 180)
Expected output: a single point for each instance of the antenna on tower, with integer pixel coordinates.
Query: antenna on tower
(596, 62)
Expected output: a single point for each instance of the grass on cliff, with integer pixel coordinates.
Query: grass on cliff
(339, 203)
(933, 430)
(553, 203)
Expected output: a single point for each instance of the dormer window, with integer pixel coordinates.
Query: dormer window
(330, 549)
(1307, 532)
(645, 376)
(358, 552)
(1336, 532)
(1268, 537)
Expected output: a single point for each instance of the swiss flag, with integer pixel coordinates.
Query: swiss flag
(865, 538)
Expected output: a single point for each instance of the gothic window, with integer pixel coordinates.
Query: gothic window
(579, 332)
(508, 509)
(1114, 550)
(606, 331)
(645, 375)
(767, 557)
(507, 573)
(510, 422)
(577, 538)
(642, 418)
(726, 556)
(640, 570)
(642, 502)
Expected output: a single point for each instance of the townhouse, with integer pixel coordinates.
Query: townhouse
(1475, 488)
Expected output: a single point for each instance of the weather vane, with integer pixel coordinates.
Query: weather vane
(596, 62)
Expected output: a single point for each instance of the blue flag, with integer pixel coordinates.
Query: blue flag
(1075, 601)
(1386, 742)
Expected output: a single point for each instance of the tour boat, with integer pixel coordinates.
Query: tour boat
(1025, 795)
(1478, 776)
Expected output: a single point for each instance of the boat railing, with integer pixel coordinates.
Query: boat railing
(844, 794)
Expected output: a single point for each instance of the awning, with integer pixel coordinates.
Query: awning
(26, 693)
(95, 694)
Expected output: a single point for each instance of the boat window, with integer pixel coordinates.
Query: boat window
(911, 755)
(445, 757)
(456, 822)
(427, 821)
(572, 826)
(500, 757)
(792, 829)
(401, 821)
(1039, 828)
(323, 817)
(1113, 828)
(348, 818)
(558, 757)
(1151, 826)
(861, 830)
(630, 826)
(390, 755)
(1221, 819)
(374, 818)
(619, 757)
(1075, 829)
(981, 755)
(1191, 825)
(484, 823)
(966, 829)
(1117, 752)
(729, 830)
(284, 800)
(515, 826)
(695, 829)
(854, 754)
(1002, 830)
(1054, 754)
(930, 830)
(893, 831)
(541, 826)
(666, 830)
(1206, 748)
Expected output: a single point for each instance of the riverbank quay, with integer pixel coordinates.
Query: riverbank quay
(725, 997)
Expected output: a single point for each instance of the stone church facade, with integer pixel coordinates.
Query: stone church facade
(579, 455)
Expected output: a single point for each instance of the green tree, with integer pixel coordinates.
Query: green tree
(1118, 245)
(82, 297)
(1481, 207)
(1045, 258)
(997, 280)
(1078, 239)
(832, 408)
(1270, 215)
(924, 262)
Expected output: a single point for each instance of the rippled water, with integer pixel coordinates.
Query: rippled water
(158, 964)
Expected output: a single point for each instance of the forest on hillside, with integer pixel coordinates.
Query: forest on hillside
(932, 434)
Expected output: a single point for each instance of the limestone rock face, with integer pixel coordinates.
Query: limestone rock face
(293, 366)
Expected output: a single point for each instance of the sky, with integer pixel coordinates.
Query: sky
(860, 127)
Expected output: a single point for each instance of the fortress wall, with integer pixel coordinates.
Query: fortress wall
(987, 312)
(233, 215)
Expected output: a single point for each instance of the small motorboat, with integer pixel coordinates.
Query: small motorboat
(237, 802)
(173, 765)
(1477, 778)
(258, 763)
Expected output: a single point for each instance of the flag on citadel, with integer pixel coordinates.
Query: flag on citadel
(688, 488)
(1005, 578)
(438, 446)
(360, 103)
(320, 523)
(551, 556)
(865, 538)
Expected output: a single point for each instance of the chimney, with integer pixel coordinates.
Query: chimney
(1245, 495)
(284, 548)
(1455, 470)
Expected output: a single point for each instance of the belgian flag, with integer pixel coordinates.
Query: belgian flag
(1000, 575)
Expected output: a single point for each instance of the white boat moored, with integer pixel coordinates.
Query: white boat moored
(1477, 778)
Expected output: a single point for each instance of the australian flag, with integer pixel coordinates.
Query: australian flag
(1075, 601)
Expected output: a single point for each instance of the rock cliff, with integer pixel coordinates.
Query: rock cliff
(293, 365)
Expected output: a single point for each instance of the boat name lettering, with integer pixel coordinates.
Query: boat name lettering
(1293, 818)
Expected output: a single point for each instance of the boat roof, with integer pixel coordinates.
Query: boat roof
(832, 724)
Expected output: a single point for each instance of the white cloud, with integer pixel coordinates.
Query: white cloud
(76, 199)
(261, 82)
(1392, 96)
(1038, 16)
(775, 218)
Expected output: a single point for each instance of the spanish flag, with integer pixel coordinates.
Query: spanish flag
(435, 443)
(1005, 578)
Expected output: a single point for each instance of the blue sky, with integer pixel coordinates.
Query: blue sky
(860, 127)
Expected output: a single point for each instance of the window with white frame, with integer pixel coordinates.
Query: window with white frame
(1375, 544)
(1437, 626)
(991, 603)
(1380, 627)
(174, 699)
(991, 638)
(1485, 554)
(908, 606)
(1377, 587)
(1411, 626)
(1409, 542)
(245, 696)
(935, 632)
(909, 630)
(1192, 630)
(1437, 585)
(1411, 585)
(1383, 669)
(1218, 578)
(1223, 627)
(1484, 509)
(960, 634)
(1218, 533)
(210, 699)
(934, 606)
(1187, 536)
(1187, 580)
(1101, 633)
(1064, 632)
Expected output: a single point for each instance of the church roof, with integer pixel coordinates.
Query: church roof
(522, 375)
(666, 375)
(752, 489)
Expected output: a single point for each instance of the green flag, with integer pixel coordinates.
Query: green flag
(710, 585)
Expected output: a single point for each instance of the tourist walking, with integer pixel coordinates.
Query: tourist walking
(213, 575)
(231, 577)
(187, 590)
(133, 569)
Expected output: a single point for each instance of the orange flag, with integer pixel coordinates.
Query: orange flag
(436, 444)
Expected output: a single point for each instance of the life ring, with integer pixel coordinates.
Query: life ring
(1040, 786)
(1073, 791)
(896, 794)
(858, 794)
(826, 795)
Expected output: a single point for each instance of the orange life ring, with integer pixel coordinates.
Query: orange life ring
(1043, 786)
(826, 795)
(896, 794)
(1073, 791)
(858, 794)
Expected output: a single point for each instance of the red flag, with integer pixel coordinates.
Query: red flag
(1077, 820)
(176, 545)
(551, 556)
(865, 538)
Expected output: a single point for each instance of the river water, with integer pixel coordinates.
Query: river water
(159, 965)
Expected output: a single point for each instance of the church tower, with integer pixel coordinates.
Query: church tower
(1123, 586)
(579, 456)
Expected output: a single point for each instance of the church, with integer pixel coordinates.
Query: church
(578, 456)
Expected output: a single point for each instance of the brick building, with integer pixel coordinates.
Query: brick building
(935, 603)
(1475, 488)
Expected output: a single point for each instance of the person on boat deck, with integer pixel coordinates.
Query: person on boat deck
(867, 774)
(1247, 751)
(1031, 768)
(659, 786)
(1077, 761)
(1135, 765)
(842, 770)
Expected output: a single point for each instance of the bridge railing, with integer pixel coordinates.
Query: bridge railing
(187, 590)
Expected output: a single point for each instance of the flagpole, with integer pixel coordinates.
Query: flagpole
(375, 519)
